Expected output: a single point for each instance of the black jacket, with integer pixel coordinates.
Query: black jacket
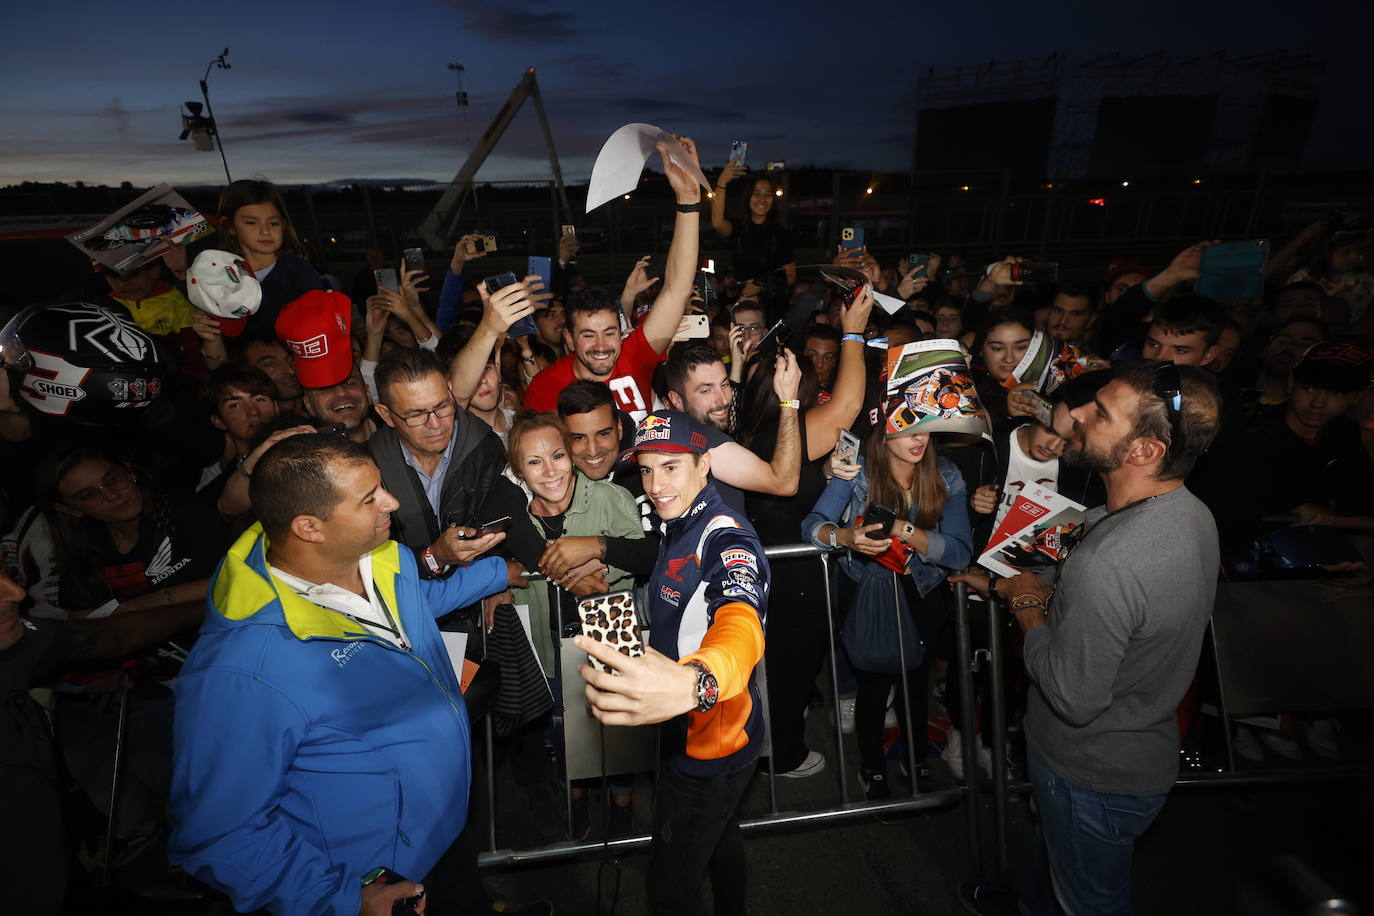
(474, 492)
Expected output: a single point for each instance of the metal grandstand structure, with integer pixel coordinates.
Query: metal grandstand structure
(1260, 105)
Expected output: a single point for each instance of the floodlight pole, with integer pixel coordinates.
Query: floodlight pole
(210, 112)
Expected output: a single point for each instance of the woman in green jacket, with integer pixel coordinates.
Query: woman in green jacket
(564, 502)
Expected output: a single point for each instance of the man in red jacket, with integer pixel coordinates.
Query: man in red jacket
(598, 350)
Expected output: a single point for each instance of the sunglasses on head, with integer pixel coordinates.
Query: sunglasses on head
(1167, 385)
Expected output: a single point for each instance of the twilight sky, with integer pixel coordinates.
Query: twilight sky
(330, 90)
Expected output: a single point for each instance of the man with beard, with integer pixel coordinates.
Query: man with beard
(346, 404)
(699, 386)
(1072, 315)
(1110, 648)
(598, 350)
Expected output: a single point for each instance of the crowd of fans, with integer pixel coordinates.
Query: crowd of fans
(481, 402)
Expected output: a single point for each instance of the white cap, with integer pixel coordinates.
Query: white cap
(216, 282)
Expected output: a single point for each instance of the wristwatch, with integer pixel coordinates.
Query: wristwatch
(834, 536)
(708, 691)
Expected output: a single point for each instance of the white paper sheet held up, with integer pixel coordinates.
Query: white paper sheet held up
(889, 304)
(621, 161)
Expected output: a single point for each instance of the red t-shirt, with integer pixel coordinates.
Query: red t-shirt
(631, 380)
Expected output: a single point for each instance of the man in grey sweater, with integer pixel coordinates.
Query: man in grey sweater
(1113, 645)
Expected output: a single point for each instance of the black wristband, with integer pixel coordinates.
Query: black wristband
(689, 208)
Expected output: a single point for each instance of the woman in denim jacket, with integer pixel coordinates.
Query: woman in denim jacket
(930, 538)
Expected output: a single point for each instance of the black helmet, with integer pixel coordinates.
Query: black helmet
(85, 363)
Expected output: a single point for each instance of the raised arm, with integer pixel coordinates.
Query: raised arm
(661, 323)
(499, 311)
(718, 220)
(739, 467)
(824, 422)
(1182, 269)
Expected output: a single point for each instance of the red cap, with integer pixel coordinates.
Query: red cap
(315, 330)
(232, 327)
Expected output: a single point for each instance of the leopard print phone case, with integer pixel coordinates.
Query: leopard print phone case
(611, 619)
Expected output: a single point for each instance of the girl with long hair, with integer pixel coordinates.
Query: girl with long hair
(563, 502)
(1002, 339)
(763, 248)
(929, 538)
(253, 223)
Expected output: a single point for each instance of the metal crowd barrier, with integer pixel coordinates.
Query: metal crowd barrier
(919, 799)
(1241, 667)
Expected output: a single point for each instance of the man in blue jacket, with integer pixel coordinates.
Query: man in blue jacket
(319, 729)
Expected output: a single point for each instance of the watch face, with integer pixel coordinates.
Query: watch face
(707, 689)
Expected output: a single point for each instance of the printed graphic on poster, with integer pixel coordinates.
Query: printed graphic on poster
(930, 389)
(1039, 529)
(1048, 363)
(137, 233)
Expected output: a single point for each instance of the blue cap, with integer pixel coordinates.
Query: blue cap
(666, 431)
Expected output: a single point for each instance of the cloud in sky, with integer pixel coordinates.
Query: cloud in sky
(517, 22)
(322, 91)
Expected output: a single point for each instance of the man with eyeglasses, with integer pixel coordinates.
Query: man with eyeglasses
(1110, 648)
(444, 467)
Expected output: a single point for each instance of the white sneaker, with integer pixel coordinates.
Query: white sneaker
(953, 754)
(1281, 744)
(1245, 744)
(847, 716)
(1321, 737)
(813, 764)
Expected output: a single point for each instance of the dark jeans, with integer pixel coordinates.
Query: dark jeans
(870, 707)
(453, 886)
(795, 651)
(1083, 846)
(696, 830)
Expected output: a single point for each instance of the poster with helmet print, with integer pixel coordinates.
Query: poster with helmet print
(137, 233)
(930, 389)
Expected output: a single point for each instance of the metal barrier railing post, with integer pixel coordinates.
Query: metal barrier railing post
(963, 651)
(1221, 700)
(491, 784)
(768, 729)
(834, 677)
(998, 727)
(491, 751)
(555, 636)
(121, 735)
(911, 736)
